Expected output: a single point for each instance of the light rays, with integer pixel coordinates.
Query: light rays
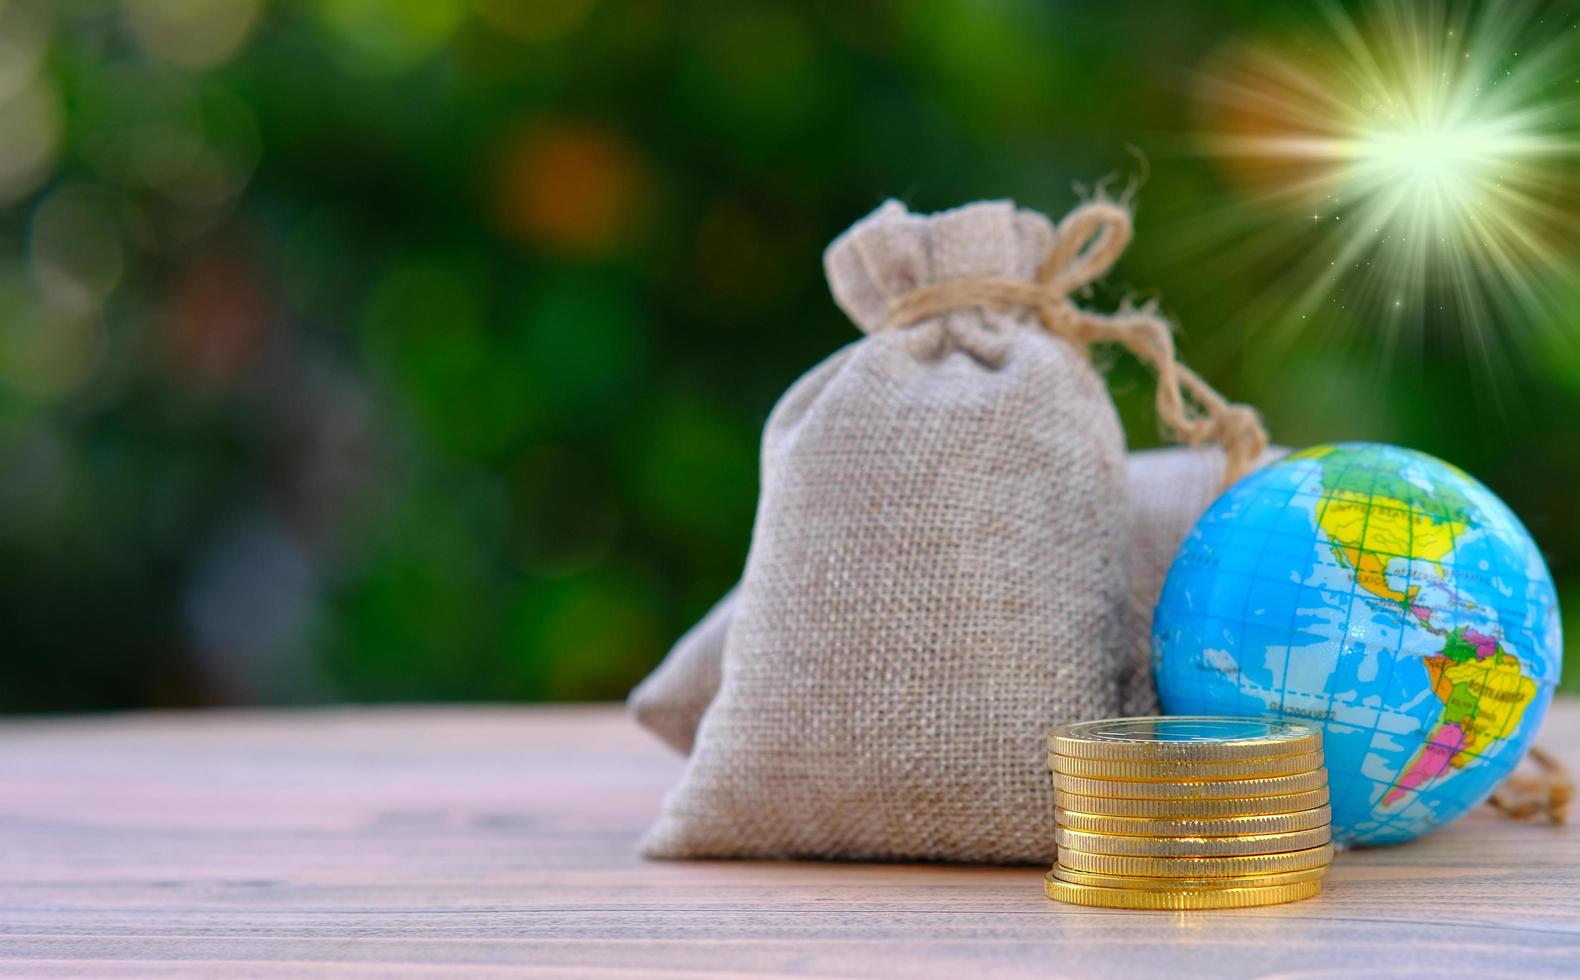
(1410, 174)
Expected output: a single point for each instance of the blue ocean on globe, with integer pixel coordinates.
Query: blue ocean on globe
(1389, 598)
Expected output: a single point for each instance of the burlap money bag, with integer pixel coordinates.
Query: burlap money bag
(1169, 489)
(939, 566)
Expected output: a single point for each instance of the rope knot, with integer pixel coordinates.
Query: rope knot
(1085, 246)
(1238, 428)
(1059, 314)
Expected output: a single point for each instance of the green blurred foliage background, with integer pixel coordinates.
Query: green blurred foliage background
(419, 349)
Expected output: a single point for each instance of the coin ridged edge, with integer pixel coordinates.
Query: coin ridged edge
(1172, 769)
(1178, 901)
(1235, 826)
(1187, 789)
(1193, 809)
(1192, 847)
(1194, 867)
(1181, 884)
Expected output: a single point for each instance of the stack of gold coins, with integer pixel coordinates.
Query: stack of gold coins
(1188, 813)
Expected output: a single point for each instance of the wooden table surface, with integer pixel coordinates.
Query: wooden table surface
(475, 842)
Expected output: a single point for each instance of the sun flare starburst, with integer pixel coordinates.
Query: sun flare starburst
(1430, 153)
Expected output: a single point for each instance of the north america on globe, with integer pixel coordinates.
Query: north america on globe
(1389, 597)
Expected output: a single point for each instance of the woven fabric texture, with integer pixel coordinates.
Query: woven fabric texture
(1169, 490)
(939, 572)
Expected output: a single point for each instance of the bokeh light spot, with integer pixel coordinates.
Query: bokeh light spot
(46, 352)
(30, 121)
(217, 322)
(379, 37)
(575, 188)
(24, 39)
(193, 34)
(190, 139)
(74, 247)
(227, 151)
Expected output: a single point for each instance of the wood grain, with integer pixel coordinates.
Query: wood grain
(480, 842)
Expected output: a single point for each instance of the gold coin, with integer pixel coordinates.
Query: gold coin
(1299, 840)
(1195, 867)
(1262, 823)
(1184, 737)
(1215, 789)
(1181, 884)
(1213, 898)
(1193, 809)
(1174, 769)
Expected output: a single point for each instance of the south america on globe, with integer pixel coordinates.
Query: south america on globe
(1385, 595)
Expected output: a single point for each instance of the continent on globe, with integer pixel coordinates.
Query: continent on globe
(1385, 595)
(1484, 695)
(1376, 519)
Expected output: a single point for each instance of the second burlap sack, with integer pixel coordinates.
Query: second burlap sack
(939, 566)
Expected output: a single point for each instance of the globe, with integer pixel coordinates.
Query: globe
(1385, 596)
